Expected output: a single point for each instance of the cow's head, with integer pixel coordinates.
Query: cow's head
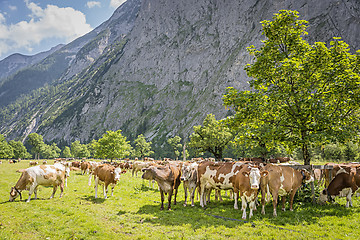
(325, 197)
(185, 173)
(117, 173)
(14, 193)
(307, 177)
(147, 173)
(254, 176)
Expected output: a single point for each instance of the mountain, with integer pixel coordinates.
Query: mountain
(16, 62)
(159, 67)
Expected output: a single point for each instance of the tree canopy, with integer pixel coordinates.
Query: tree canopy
(306, 94)
(37, 143)
(142, 147)
(213, 136)
(112, 145)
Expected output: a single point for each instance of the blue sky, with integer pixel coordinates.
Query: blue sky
(32, 26)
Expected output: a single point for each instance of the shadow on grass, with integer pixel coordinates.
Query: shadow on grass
(93, 199)
(223, 214)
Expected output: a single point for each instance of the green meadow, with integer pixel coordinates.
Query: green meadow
(134, 213)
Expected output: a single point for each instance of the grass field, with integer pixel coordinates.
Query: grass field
(134, 213)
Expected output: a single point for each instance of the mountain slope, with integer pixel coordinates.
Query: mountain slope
(16, 62)
(71, 59)
(169, 71)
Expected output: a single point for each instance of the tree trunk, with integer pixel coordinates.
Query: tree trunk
(306, 154)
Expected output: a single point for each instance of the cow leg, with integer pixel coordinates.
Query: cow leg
(35, 191)
(236, 198)
(54, 191)
(292, 195)
(252, 206)
(105, 186)
(243, 206)
(208, 191)
(61, 189)
(263, 199)
(96, 185)
(218, 195)
(192, 195)
(31, 190)
(202, 197)
(185, 193)
(283, 200)
(275, 198)
(348, 199)
(169, 200)
(132, 173)
(112, 189)
(162, 199)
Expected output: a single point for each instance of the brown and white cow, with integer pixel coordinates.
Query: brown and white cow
(139, 165)
(33, 163)
(189, 172)
(168, 179)
(106, 175)
(218, 176)
(246, 185)
(85, 167)
(343, 185)
(44, 175)
(282, 181)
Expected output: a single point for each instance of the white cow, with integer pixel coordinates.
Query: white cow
(45, 175)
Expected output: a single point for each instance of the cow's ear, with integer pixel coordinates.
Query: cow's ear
(264, 173)
(246, 174)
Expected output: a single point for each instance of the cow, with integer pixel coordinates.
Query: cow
(138, 165)
(282, 181)
(168, 179)
(44, 175)
(106, 175)
(85, 167)
(44, 162)
(337, 168)
(33, 163)
(344, 184)
(189, 174)
(218, 176)
(75, 164)
(246, 185)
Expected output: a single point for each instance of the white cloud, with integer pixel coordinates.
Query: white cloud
(50, 22)
(13, 8)
(2, 18)
(92, 4)
(116, 3)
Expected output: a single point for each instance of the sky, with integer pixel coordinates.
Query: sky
(32, 26)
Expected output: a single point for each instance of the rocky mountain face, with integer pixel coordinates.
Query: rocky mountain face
(158, 67)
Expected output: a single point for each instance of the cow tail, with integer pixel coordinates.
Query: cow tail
(267, 193)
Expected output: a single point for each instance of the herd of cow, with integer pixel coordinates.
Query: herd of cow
(245, 179)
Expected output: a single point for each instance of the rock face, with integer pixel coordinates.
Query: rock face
(160, 68)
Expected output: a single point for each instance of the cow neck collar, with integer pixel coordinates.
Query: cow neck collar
(303, 175)
(17, 190)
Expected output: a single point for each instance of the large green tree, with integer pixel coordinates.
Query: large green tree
(112, 145)
(79, 150)
(66, 153)
(19, 150)
(309, 93)
(213, 136)
(142, 147)
(176, 146)
(37, 143)
(6, 150)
